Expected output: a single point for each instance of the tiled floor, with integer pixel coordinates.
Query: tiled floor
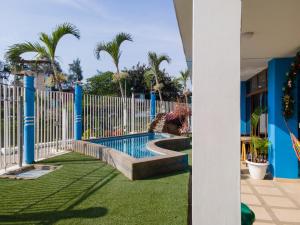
(273, 202)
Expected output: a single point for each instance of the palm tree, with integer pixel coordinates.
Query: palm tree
(154, 71)
(113, 49)
(45, 51)
(185, 75)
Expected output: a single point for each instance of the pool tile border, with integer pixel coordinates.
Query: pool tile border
(167, 161)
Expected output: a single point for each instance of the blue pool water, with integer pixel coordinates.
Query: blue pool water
(133, 145)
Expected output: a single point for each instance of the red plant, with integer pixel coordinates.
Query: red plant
(181, 114)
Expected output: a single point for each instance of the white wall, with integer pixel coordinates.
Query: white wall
(216, 110)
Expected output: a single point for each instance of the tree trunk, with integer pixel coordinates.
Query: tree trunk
(56, 82)
(186, 99)
(124, 105)
(159, 93)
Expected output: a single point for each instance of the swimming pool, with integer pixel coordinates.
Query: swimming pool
(133, 145)
(138, 156)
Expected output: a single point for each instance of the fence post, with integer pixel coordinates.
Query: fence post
(29, 119)
(153, 106)
(78, 112)
(132, 114)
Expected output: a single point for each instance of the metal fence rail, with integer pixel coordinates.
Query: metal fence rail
(165, 106)
(105, 116)
(54, 123)
(11, 103)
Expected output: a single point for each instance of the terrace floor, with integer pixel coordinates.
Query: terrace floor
(273, 202)
(88, 191)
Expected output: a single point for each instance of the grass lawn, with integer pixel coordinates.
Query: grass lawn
(87, 191)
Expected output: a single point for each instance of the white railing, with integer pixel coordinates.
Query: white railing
(10, 125)
(54, 123)
(164, 106)
(105, 116)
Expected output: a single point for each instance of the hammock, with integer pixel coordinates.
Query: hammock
(295, 142)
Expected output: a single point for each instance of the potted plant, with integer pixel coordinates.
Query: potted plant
(257, 160)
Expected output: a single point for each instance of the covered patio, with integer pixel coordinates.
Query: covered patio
(233, 46)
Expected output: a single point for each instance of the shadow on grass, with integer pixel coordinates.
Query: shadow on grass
(56, 196)
(170, 174)
(49, 217)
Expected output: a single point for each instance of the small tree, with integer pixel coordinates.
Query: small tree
(45, 51)
(103, 80)
(113, 49)
(185, 75)
(154, 71)
(4, 71)
(259, 146)
(75, 71)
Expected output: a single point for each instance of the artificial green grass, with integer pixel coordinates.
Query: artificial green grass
(87, 191)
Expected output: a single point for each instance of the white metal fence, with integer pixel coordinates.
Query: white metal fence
(54, 122)
(105, 116)
(10, 125)
(165, 106)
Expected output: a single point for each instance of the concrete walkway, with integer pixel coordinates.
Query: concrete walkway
(273, 202)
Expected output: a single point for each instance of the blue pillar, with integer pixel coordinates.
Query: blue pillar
(153, 106)
(78, 112)
(243, 108)
(29, 120)
(282, 158)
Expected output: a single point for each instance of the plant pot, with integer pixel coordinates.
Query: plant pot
(257, 170)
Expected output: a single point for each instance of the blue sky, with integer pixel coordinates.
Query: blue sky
(152, 24)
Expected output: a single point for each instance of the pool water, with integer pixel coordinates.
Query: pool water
(133, 145)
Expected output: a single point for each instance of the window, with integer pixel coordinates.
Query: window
(257, 93)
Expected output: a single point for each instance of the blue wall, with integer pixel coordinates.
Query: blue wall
(284, 163)
(243, 109)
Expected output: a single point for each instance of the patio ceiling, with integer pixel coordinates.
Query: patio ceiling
(276, 33)
(269, 29)
(184, 14)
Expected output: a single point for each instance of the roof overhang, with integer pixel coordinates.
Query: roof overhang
(269, 29)
(184, 13)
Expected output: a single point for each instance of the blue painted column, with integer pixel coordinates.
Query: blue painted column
(78, 112)
(152, 106)
(29, 119)
(284, 163)
(243, 108)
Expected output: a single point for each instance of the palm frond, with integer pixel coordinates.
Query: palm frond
(48, 41)
(121, 37)
(100, 47)
(149, 73)
(152, 58)
(164, 57)
(111, 48)
(14, 52)
(155, 60)
(185, 75)
(62, 30)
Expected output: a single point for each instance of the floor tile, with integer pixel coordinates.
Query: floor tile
(287, 215)
(268, 191)
(250, 199)
(261, 213)
(278, 201)
(245, 189)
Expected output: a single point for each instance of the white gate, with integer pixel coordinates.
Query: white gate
(106, 116)
(54, 123)
(11, 129)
